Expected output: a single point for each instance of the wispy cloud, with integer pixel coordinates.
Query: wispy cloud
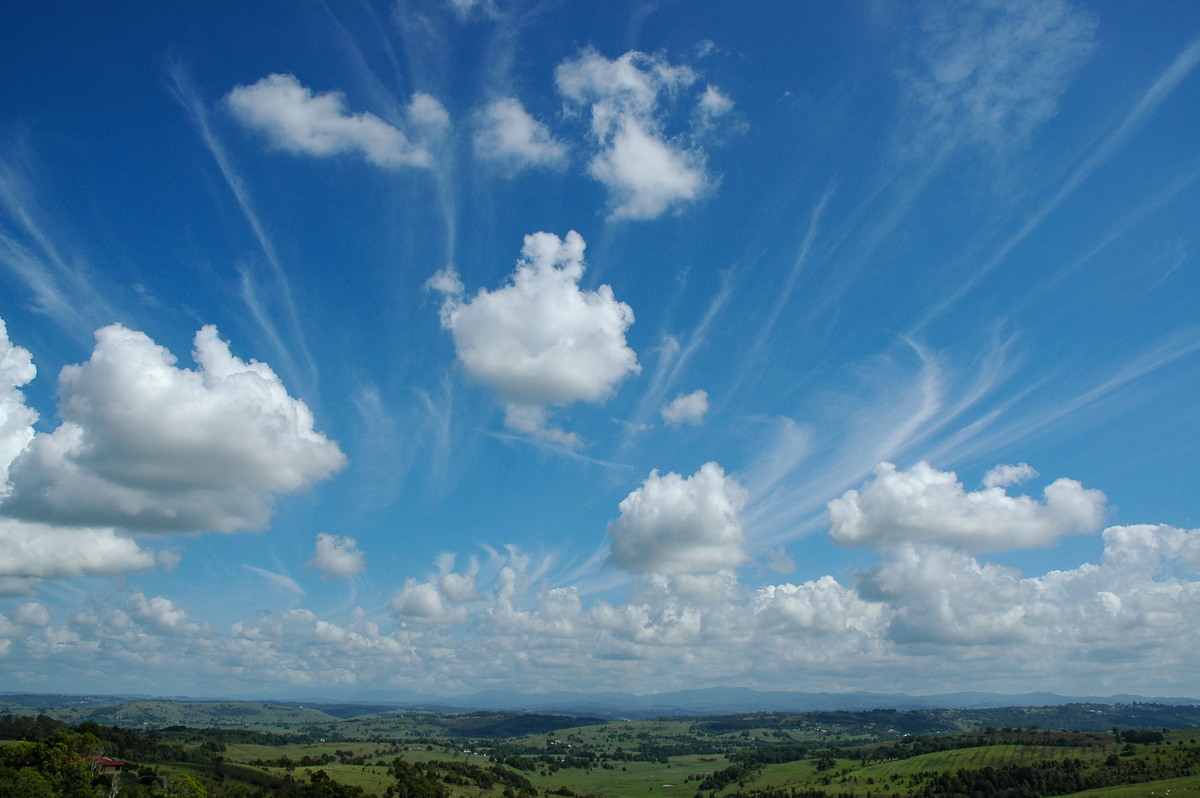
(189, 99)
(62, 285)
(280, 581)
(1134, 120)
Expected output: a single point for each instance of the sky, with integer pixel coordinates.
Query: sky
(360, 347)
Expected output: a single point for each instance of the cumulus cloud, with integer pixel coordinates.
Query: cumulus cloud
(541, 340)
(946, 596)
(686, 409)
(677, 525)
(146, 445)
(162, 615)
(1004, 475)
(925, 611)
(646, 172)
(931, 506)
(33, 613)
(425, 602)
(508, 136)
(1141, 594)
(16, 419)
(295, 119)
(823, 606)
(31, 551)
(337, 557)
(991, 72)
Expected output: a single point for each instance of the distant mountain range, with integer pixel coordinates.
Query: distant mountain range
(729, 700)
(612, 705)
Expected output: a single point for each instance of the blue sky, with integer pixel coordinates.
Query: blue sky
(458, 345)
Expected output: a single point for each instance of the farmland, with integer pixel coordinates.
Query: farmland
(247, 749)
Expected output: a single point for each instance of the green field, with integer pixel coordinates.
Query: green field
(257, 749)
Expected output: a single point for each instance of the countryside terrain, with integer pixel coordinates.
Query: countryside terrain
(53, 746)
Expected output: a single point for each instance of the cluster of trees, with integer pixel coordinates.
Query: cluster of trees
(1137, 735)
(59, 764)
(1049, 777)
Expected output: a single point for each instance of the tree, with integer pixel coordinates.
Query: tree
(181, 785)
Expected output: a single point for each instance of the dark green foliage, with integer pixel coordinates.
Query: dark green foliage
(58, 765)
(508, 724)
(1139, 736)
(1052, 777)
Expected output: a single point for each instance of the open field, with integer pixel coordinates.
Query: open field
(262, 749)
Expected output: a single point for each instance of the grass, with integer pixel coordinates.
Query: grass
(1185, 787)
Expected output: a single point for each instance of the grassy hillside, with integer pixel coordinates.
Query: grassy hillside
(249, 749)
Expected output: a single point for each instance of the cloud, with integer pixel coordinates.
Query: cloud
(645, 172)
(508, 136)
(337, 557)
(713, 103)
(281, 581)
(677, 525)
(1004, 475)
(296, 120)
(991, 72)
(821, 607)
(162, 615)
(1140, 597)
(469, 9)
(425, 602)
(930, 506)
(541, 340)
(925, 611)
(32, 613)
(33, 551)
(945, 596)
(686, 409)
(145, 445)
(16, 419)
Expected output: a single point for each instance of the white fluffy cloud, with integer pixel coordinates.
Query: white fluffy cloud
(1142, 593)
(146, 445)
(945, 596)
(823, 606)
(931, 506)
(162, 615)
(426, 602)
(925, 611)
(541, 340)
(296, 120)
(678, 525)
(1004, 475)
(646, 172)
(32, 551)
(16, 419)
(686, 409)
(507, 135)
(337, 556)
